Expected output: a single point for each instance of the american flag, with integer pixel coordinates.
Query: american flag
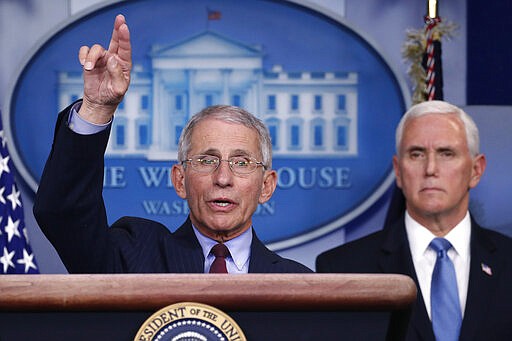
(213, 14)
(432, 61)
(16, 256)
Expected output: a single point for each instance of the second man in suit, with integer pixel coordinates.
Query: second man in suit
(436, 164)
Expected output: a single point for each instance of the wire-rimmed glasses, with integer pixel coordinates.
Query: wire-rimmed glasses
(241, 165)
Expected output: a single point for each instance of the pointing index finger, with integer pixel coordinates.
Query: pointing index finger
(114, 40)
(124, 50)
(120, 41)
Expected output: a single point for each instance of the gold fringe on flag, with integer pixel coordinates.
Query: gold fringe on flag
(413, 51)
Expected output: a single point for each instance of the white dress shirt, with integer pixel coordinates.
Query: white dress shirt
(424, 258)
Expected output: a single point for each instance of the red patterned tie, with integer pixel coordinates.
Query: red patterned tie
(220, 251)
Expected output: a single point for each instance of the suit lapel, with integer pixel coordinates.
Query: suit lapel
(187, 257)
(186, 254)
(396, 258)
(481, 283)
(261, 259)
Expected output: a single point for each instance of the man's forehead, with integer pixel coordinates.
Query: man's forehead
(440, 118)
(212, 134)
(434, 130)
(219, 123)
(437, 125)
(215, 129)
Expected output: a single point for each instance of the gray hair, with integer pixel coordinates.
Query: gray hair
(442, 108)
(228, 114)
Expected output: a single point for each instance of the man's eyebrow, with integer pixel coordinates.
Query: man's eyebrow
(444, 148)
(236, 152)
(415, 148)
(239, 152)
(212, 151)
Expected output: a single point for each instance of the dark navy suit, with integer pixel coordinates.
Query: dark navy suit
(70, 210)
(488, 312)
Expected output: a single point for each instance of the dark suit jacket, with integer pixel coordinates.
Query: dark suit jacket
(70, 210)
(488, 312)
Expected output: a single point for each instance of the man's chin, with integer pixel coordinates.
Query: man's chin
(223, 230)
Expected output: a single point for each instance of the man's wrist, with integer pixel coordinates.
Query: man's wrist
(82, 126)
(96, 113)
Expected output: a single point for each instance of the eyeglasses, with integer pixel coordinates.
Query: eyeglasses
(241, 165)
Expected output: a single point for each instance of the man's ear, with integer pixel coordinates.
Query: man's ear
(479, 164)
(268, 186)
(396, 168)
(178, 180)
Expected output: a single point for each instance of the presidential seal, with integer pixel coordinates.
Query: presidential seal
(189, 321)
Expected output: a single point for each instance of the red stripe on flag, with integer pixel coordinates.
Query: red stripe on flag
(214, 15)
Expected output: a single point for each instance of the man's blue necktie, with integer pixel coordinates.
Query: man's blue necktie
(444, 296)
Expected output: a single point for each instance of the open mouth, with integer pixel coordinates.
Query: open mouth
(222, 202)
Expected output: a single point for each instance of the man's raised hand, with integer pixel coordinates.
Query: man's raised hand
(106, 74)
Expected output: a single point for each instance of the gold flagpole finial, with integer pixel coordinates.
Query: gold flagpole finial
(432, 9)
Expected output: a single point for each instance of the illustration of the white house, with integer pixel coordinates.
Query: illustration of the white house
(309, 114)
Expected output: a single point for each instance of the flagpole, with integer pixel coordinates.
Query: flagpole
(431, 20)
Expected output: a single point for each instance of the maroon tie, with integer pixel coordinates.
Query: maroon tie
(220, 251)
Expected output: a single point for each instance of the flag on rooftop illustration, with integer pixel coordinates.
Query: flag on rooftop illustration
(214, 14)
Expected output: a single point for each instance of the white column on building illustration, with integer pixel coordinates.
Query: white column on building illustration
(187, 101)
(193, 101)
(354, 121)
(283, 127)
(306, 114)
(156, 124)
(250, 101)
(225, 86)
(257, 93)
(328, 128)
(130, 126)
(166, 117)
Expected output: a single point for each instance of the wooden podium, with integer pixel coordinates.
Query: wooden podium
(265, 306)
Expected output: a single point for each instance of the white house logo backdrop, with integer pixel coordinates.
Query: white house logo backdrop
(327, 96)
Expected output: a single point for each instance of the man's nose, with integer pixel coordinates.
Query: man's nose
(223, 175)
(431, 164)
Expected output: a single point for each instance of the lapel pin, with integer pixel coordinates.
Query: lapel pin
(486, 268)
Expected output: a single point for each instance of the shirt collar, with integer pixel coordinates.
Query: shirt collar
(420, 237)
(460, 237)
(239, 247)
